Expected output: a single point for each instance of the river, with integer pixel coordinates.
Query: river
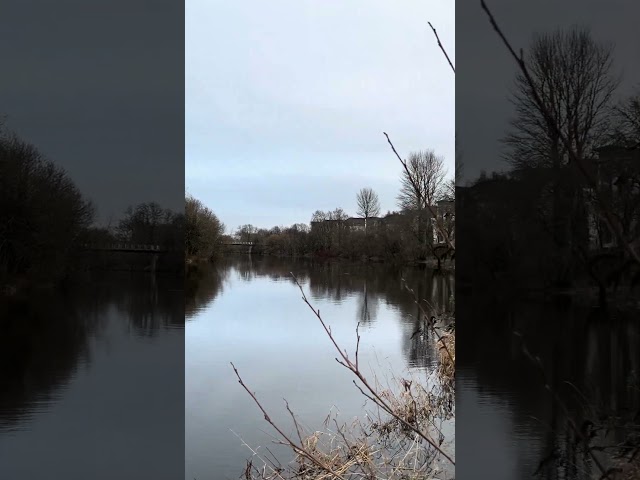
(249, 311)
(93, 381)
(510, 421)
(104, 380)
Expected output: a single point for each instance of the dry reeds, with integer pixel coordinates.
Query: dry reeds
(400, 437)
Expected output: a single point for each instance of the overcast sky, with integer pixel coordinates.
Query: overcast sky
(286, 102)
(98, 87)
(485, 71)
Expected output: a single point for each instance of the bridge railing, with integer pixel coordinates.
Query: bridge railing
(121, 246)
(239, 243)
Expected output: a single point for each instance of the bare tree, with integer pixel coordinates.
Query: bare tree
(368, 205)
(423, 181)
(148, 223)
(449, 189)
(626, 130)
(572, 75)
(246, 233)
(608, 214)
(338, 226)
(561, 111)
(42, 212)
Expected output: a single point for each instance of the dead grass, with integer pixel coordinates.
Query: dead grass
(399, 438)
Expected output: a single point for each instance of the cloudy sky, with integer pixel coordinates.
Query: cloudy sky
(286, 102)
(98, 88)
(485, 71)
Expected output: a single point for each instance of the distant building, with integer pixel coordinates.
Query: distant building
(617, 173)
(359, 224)
(445, 210)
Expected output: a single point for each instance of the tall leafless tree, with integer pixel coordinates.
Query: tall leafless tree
(422, 184)
(368, 205)
(562, 106)
(573, 76)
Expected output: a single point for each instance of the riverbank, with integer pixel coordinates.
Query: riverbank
(18, 287)
(447, 266)
(394, 440)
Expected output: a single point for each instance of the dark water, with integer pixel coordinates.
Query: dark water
(510, 422)
(92, 381)
(249, 311)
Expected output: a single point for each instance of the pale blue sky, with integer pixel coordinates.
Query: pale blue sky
(286, 102)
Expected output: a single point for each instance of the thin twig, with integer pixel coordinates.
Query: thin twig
(605, 210)
(535, 360)
(442, 47)
(375, 396)
(425, 315)
(434, 214)
(297, 448)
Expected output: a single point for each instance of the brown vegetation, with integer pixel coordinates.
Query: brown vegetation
(203, 231)
(400, 438)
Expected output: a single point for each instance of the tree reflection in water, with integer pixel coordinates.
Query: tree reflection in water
(45, 339)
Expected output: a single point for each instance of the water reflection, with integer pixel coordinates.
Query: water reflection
(249, 311)
(41, 344)
(369, 286)
(202, 285)
(77, 376)
(589, 357)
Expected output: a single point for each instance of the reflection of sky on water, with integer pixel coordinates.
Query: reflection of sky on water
(101, 402)
(486, 446)
(281, 350)
(88, 428)
(592, 349)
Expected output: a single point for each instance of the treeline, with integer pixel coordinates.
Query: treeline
(408, 235)
(203, 232)
(397, 240)
(42, 214)
(144, 224)
(45, 219)
(567, 212)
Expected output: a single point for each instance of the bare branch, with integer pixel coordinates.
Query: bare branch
(442, 47)
(297, 448)
(373, 394)
(605, 210)
(441, 228)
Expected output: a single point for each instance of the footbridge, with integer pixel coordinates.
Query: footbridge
(124, 247)
(125, 255)
(246, 247)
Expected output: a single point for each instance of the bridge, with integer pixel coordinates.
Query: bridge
(131, 255)
(238, 245)
(124, 247)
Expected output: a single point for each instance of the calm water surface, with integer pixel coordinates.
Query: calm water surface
(508, 417)
(249, 311)
(93, 381)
